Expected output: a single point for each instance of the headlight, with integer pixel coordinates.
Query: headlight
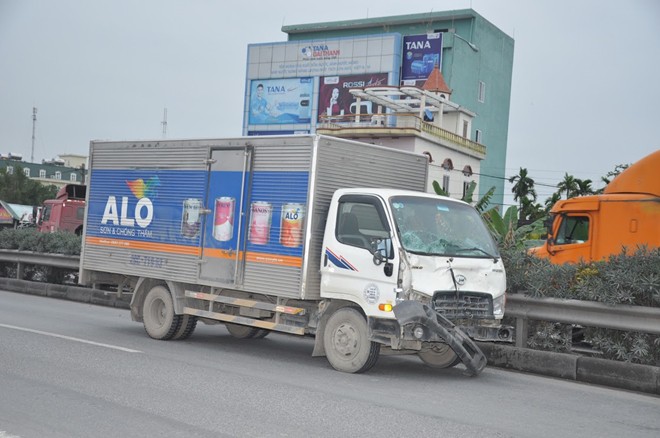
(498, 306)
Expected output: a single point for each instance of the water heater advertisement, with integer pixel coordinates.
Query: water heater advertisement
(421, 53)
(280, 101)
(336, 103)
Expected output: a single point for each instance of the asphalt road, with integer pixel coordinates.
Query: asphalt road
(75, 370)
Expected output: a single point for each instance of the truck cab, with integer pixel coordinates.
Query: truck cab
(625, 215)
(383, 248)
(64, 213)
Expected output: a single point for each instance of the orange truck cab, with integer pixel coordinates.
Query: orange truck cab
(591, 228)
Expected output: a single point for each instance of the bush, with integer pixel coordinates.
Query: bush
(29, 239)
(631, 278)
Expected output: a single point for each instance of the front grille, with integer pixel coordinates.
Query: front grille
(465, 305)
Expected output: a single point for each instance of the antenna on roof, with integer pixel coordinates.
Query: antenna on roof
(164, 123)
(34, 126)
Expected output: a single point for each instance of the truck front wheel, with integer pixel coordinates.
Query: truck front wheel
(159, 318)
(439, 356)
(347, 344)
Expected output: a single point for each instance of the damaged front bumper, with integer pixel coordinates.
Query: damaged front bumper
(416, 323)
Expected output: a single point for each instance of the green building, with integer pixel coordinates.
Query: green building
(435, 83)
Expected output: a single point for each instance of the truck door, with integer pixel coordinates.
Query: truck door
(348, 268)
(223, 240)
(572, 240)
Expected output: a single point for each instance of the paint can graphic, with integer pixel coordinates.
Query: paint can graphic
(261, 213)
(190, 219)
(223, 219)
(291, 225)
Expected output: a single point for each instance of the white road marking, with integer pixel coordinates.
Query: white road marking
(69, 338)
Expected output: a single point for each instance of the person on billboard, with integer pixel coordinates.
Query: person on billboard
(333, 105)
(259, 105)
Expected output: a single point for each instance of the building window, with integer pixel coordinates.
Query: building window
(477, 136)
(445, 183)
(466, 127)
(42, 173)
(466, 186)
(447, 164)
(58, 175)
(73, 177)
(26, 172)
(482, 91)
(10, 170)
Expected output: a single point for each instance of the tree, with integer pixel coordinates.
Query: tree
(583, 187)
(552, 200)
(612, 174)
(568, 185)
(16, 188)
(523, 192)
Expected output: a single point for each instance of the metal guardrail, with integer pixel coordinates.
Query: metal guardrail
(522, 308)
(22, 258)
(586, 313)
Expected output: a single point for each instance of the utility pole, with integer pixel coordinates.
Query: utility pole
(164, 123)
(34, 127)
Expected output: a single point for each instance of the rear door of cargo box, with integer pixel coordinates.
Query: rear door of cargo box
(225, 232)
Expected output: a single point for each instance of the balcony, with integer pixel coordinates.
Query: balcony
(396, 125)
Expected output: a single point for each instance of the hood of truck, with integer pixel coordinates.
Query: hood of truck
(434, 273)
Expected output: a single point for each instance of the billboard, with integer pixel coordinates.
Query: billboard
(335, 100)
(421, 53)
(280, 101)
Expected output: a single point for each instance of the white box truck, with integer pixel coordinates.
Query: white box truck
(306, 235)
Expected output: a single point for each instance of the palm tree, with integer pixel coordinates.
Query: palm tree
(568, 185)
(523, 188)
(552, 200)
(583, 187)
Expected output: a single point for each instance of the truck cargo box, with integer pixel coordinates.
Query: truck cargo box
(238, 213)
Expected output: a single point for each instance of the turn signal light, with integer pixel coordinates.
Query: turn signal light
(385, 307)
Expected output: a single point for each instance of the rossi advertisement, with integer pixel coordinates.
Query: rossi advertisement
(337, 104)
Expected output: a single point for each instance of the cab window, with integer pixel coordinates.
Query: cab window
(361, 222)
(573, 229)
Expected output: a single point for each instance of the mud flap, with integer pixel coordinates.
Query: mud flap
(414, 312)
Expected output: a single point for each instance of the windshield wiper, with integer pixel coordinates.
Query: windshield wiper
(481, 250)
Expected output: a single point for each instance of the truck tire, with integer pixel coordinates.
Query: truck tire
(347, 344)
(239, 331)
(439, 356)
(188, 324)
(159, 318)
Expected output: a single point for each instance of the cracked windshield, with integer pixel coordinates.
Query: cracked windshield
(429, 226)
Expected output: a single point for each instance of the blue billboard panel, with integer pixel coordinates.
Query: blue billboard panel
(280, 101)
(421, 54)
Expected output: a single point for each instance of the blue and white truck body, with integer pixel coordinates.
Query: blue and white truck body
(254, 232)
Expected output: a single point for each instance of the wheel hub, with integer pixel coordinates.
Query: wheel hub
(346, 340)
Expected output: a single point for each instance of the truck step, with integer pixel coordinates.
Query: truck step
(240, 302)
(244, 321)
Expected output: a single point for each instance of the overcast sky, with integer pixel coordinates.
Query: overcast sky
(585, 95)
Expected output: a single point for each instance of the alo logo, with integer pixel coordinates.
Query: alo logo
(118, 213)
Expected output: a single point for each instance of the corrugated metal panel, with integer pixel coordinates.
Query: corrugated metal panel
(175, 154)
(178, 268)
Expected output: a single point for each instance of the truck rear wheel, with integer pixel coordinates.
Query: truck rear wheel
(439, 356)
(188, 324)
(159, 318)
(243, 331)
(347, 344)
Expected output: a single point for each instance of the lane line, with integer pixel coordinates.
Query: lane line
(69, 338)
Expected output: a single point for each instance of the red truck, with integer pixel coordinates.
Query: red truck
(66, 212)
